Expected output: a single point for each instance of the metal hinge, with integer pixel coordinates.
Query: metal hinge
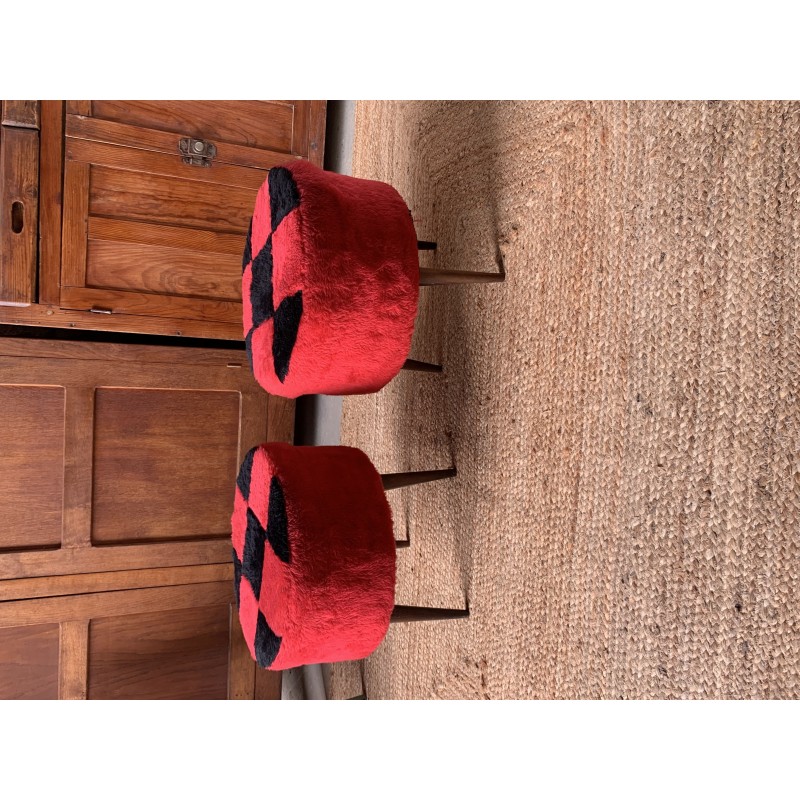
(197, 152)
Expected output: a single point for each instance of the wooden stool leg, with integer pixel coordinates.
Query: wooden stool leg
(362, 673)
(398, 479)
(421, 614)
(426, 245)
(421, 366)
(436, 277)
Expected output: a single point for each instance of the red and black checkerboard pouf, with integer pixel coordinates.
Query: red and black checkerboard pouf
(314, 555)
(330, 283)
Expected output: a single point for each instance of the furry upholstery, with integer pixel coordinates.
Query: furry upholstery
(330, 283)
(313, 553)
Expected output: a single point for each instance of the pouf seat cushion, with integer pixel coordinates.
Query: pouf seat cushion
(330, 283)
(314, 555)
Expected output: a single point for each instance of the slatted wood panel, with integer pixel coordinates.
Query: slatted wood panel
(98, 130)
(190, 203)
(261, 124)
(147, 235)
(141, 160)
(188, 293)
(180, 272)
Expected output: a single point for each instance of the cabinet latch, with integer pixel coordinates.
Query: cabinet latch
(197, 152)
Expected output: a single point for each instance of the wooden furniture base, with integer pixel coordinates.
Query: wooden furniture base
(116, 466)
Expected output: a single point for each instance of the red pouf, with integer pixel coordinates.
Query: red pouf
(330, 283)
(314, 555)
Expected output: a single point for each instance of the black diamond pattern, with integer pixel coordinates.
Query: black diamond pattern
(277, 522)
(253, 556)
(267, 643)
(243, 479)
(284, 197)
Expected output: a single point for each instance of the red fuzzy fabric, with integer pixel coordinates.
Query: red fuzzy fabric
(350, 247)
(334, 598)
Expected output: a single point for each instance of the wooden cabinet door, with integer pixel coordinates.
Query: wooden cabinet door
(176, 641)
(117, 476)
(117, 457)
(145, 233)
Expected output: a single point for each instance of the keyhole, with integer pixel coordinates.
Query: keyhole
(16, 217)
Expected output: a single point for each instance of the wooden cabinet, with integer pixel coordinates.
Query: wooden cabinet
(166, 642)
(117, 473)
(139, 232)
(118, 461)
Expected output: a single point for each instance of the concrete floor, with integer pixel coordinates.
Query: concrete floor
(318, 417)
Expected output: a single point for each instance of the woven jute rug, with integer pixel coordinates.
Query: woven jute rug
(623, 410)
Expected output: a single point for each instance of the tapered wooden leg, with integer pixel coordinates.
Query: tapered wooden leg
(435, 277)
(398, 479)
(362, 673)
(421, 366)
(426, 245)
(421, 614)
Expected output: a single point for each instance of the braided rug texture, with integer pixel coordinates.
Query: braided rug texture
(623, 411)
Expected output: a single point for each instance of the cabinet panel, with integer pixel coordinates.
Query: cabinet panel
(120, 194)
(174, 238)
(117, 197)
(180, 654)
(118, 133)
(123, 457)
(31, 466)
(163, 463)
(124, 168)
(170, 642)
(163, 270)
(19, 214)
(170, 164)
(255, 123)
(29, 662)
